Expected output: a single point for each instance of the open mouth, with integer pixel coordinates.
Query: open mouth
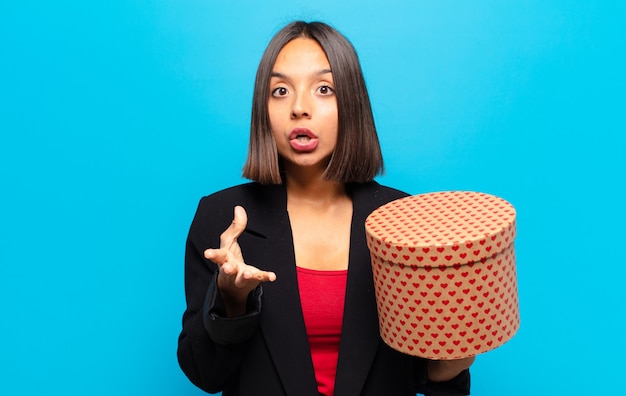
(302, 134)
(303, 140)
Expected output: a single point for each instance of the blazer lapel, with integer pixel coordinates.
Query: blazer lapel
(360, 336)
(282, 322)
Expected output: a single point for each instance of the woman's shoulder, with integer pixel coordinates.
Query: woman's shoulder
(378, 191)
(243, 191)
(250, 195)
(216, 209)
(369, 196)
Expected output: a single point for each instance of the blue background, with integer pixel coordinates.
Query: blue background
(117, 116)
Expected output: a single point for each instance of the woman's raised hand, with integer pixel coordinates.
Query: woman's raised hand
(236, 279)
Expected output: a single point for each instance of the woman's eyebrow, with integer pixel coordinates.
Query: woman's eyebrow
(278, 75)
(284, 76)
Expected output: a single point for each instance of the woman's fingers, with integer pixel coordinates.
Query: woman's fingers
(253, 273)
(230, 235)
(243, 275)
(224, 259)
(445, 370)
(232, 267)
(218, 256)
(235, 275)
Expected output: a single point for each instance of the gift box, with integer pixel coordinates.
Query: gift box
(444, 273)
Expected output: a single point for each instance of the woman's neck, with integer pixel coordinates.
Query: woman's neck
(320, 214)
(312, 188)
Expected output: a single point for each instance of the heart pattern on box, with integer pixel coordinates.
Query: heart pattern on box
(444, 273)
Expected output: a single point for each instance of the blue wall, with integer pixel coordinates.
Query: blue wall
(117, 116)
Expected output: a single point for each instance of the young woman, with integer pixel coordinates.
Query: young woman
(286, 305)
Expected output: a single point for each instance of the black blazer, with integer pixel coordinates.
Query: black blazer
(266, 352)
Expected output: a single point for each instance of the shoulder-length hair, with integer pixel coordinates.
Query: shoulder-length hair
(357, 157)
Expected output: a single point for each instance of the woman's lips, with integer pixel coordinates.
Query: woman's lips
(303, 140)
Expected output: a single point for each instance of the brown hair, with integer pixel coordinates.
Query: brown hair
(357, 157)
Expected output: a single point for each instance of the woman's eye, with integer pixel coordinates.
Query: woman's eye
(325, 90)
(280, 91)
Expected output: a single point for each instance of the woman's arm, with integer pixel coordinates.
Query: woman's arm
(209, 362)
(213, 340)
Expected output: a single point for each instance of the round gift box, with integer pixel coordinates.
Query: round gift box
(444, 273)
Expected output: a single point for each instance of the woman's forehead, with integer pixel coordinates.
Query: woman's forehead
(301, 55)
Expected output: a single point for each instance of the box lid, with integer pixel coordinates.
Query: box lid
(441, 228)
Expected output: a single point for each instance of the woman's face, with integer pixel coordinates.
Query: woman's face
(302, 105)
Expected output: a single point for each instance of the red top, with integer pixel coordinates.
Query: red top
(322, 295)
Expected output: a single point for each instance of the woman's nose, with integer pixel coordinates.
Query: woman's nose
(301, 106)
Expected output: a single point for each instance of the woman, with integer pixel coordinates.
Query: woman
(285, 305)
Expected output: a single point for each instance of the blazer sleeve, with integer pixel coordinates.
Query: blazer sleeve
(229, 331)
(211, 346)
